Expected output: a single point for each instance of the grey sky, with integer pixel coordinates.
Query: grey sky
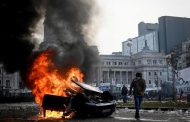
(119, 19)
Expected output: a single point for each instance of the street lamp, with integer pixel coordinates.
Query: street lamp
(129, 44)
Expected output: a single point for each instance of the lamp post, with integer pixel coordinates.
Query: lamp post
(129, 44)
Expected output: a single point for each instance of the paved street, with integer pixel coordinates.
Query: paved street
(27, 112)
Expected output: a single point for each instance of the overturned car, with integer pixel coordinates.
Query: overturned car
(92, 102)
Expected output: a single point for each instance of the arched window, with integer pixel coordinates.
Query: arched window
(149, 82)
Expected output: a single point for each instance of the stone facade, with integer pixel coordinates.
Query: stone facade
(121, 69)
(9, 82)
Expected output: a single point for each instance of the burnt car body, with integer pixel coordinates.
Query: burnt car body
(92, 102)
(54, 103)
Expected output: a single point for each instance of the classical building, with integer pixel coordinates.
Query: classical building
(9, 82)
(152, 65)
(120, 69)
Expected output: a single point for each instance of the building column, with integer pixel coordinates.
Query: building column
(127, 78)
(114, 78)
(100, 76)
(130, 76)
(108, 75)
(121, 79)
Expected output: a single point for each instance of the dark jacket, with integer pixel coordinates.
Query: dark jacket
(124, 90)
(138, 85)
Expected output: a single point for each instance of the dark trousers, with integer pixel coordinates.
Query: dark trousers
(124, 98)
(138, 101)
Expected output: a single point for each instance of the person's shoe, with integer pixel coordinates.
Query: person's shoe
(137, 116)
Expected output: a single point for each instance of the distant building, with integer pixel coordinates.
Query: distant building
(173, 31)
(145, 28)
(163, 37)
(152, 65)
(117, 53)
(182, 55)
(185, 55)
(9, 82)
(135, 45)
(121, 69)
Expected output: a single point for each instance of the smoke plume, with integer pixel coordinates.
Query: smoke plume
(66, 23)
(66, 31)
(18, 22)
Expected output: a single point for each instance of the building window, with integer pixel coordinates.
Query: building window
(148, 61)
(114, 63)
(155, 73)
(154, 62)
(8, 84)
(149, 73)
(139, 61)
(160, 73)
(161, 61)
(120, 63)
(108, 63)
(133, 63)
(126, 63)
(149, 82)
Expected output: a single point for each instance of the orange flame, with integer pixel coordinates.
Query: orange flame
(44, 78)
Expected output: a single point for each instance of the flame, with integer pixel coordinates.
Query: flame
(45, 78)
(55, 114)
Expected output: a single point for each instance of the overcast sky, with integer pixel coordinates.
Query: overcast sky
(120, 18)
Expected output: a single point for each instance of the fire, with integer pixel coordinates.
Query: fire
(55, 114)
(44, 78)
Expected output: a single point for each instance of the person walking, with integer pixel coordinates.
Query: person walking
(124, 93)
(138, 85)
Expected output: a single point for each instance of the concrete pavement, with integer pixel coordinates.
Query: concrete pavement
(27, 112)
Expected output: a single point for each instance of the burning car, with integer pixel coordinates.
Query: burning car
(92, 102)
(64, 94)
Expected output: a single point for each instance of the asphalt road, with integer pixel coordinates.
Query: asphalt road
(28, 112)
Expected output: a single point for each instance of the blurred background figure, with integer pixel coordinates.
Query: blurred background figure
(124, 92)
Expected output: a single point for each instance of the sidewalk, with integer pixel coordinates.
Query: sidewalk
(153, 115)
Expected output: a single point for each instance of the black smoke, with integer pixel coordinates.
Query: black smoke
(64, 32)
(17, 24)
